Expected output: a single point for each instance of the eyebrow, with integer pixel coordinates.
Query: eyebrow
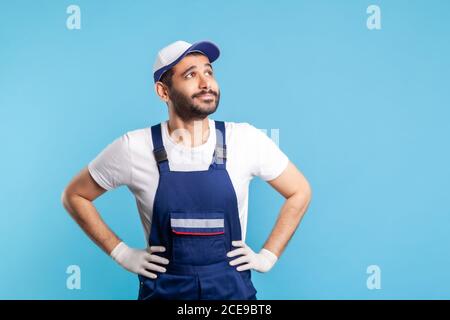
(194, 67)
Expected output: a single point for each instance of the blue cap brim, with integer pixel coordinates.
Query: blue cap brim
(206, 47)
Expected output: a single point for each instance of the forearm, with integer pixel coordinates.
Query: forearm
(291, 214)
(86, 215)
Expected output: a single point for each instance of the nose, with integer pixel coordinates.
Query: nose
(205, 83)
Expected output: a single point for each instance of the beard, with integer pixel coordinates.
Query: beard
(185, 107)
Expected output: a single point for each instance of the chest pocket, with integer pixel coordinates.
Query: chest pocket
(201, 224)
(198, 238)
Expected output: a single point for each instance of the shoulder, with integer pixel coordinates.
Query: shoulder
(242, 130)
(130, 143)
(138, 133)
(138, 137)
(239, 127)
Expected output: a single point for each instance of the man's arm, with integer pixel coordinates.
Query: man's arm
(77, 199)
(292, 185)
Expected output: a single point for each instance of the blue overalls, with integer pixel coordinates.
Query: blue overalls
(195, 217)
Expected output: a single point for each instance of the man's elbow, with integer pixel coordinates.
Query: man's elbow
(303, 196)
(66, 195)
(308, 193)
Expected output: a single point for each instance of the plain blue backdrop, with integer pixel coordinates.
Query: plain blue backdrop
(364, 114)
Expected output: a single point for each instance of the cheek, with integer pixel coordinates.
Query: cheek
(187, 90)
(215, 86)
(190, 89)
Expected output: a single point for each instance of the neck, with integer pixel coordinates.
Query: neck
(191, 133)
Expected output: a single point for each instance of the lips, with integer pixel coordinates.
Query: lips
(206, 96)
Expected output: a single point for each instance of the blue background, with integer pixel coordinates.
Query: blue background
(363, 114)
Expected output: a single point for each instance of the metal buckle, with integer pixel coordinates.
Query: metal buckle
(160, 154)
(221, 152)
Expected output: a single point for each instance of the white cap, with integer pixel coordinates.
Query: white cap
(172, 54)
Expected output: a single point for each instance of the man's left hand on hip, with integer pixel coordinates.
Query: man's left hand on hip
(261, 262)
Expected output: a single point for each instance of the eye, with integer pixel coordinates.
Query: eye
(210, 72)
(190, 75)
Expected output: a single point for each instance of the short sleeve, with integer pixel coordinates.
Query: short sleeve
(112, 166)
(269, 161)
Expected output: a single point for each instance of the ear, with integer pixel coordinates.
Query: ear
(162, 91)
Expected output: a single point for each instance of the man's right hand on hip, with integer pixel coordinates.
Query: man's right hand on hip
(140, 261)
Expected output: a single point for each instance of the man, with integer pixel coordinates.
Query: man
(190, 176)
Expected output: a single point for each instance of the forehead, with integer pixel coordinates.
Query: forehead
(198, 60)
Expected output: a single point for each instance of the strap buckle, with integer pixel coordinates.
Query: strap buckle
(160, 154)
(221, 152)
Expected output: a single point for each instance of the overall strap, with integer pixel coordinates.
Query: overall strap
(220, 151)
(158, 149)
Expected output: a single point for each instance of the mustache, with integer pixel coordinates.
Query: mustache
(205, 92)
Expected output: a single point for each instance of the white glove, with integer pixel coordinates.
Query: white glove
(261, 262)
(139, 261)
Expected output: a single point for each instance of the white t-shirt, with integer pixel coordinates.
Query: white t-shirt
(129, 161)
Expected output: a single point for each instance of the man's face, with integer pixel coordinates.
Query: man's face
(194, 93)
